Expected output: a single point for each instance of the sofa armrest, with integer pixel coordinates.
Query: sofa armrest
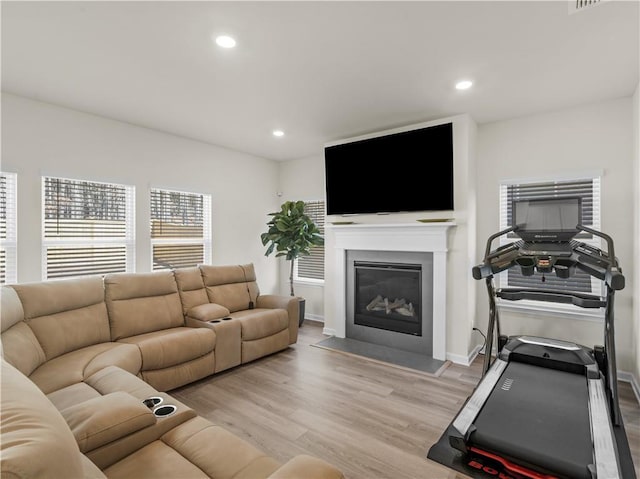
(307, 467)
(208, 311)
(104, 419)
(290, 303)
(275, 301)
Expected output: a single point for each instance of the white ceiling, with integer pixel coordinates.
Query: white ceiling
(320, 71)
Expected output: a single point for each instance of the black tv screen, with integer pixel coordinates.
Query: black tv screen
(400, 172)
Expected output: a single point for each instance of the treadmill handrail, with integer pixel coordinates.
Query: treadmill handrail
(487, 250)
(606, 237)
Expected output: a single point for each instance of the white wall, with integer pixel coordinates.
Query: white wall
(303, 180)
(43, 139)
(592, 137)
(636, 238)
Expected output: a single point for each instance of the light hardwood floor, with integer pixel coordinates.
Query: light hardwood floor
(369, 419)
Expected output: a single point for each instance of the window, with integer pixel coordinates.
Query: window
(180, 229)
(88, 228)
(8, 228)
(312, 267)
(587, 188)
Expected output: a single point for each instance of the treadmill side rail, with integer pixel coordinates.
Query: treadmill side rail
(472, 408)
(604, 448)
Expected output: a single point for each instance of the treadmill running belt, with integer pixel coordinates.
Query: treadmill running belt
(538, 417)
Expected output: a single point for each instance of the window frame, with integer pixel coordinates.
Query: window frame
(127, 241)
(205, 240)
(10, 242)
(319, 219)
(597, 287)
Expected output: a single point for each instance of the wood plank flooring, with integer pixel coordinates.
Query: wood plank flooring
(371, 420)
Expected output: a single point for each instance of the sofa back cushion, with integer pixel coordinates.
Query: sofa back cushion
(19, 346)
(36, 441)
(140, 303)
(65, 315)
(231, 286)
(190, 287)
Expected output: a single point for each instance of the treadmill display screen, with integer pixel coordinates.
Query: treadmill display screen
(552, 219)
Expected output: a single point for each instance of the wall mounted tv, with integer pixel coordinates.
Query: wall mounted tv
(406, 171)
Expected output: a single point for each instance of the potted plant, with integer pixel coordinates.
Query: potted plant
(291, 234)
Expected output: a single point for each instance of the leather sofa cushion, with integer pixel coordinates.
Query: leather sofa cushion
(169, 347)
(141, 303)
(36, 441)
(259, 348)
(21, 348)
(71, 330)
(90, 470)
(49, 297)
(104, 419)
(12, 312)
(260, 323)
(196, 448)
(190, 287)
(65, 315)
(105, 381)
(231, 286)
(74, 367)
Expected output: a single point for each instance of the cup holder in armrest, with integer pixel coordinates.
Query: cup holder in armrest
(165, 410)
(226, 318)
(152, 402)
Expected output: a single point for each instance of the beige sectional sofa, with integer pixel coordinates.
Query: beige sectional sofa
(80, 357)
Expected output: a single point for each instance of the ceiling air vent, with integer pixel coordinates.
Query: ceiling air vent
(580, 5)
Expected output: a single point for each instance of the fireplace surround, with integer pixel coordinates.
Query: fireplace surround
(389, 237)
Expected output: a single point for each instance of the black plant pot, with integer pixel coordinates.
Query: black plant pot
(301, 318)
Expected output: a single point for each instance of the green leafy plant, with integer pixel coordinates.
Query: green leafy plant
(291, 234)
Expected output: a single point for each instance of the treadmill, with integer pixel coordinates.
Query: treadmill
(544, 408)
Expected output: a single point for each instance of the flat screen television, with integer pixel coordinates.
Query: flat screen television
(407, 171)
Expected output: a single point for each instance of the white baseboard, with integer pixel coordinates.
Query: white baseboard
(314, 317)
(464, 360)
(630, 378)
(329, 331)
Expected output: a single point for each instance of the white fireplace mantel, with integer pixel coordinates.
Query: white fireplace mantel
(410, 237)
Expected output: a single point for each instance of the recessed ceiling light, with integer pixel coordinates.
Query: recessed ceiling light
(464, 85)
(225, 41)
(278, 133)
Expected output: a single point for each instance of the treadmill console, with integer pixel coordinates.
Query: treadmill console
(547, 228)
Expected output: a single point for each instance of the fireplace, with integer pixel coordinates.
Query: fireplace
(387, 296)
(389, 299)
(426, 239)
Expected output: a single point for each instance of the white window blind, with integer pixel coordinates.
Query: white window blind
(88, 228)
(312, 266)
(8, 228)
(587, 188)
(180, 229)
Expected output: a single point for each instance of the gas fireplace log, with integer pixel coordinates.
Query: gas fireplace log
(399, 306)
(376, 304)
(406, 310)
(397, 303)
